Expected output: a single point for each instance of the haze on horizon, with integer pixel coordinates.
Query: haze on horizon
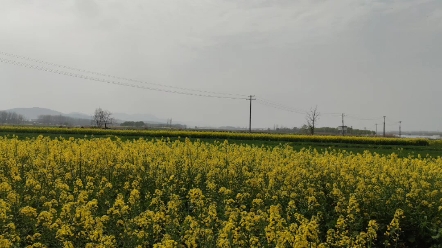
(364, 58)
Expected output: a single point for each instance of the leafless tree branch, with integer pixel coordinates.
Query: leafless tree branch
(312, 118)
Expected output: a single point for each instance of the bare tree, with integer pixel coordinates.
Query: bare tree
(11, 118)
(312, 118)
(102, 118)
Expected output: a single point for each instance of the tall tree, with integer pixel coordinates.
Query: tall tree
(102, 118)
(312, 118)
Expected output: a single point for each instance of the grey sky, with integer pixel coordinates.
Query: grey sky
(363, 58)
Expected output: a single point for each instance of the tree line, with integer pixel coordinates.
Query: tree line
(61, 120)
(103, 119)
(11, 118)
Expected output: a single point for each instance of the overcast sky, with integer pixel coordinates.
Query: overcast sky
(365, 58)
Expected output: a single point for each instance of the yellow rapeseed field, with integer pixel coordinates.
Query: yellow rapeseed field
(218, 135)
(104, 193)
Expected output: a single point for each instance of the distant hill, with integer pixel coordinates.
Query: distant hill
(33, 113)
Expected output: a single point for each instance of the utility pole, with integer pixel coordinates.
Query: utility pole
(400, 128)
(376, 134)
(384, 126)
(343, 132)
(250, 117)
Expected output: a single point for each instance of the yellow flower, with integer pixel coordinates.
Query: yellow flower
(29, 212)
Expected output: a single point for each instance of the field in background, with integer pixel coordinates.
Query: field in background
(404, 147)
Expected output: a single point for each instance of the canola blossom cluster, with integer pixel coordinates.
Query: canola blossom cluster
(161, 193)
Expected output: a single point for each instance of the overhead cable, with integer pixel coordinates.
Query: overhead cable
(64, 67)
(363, 119)
(178, 90)
(280, 106)
(77, 75)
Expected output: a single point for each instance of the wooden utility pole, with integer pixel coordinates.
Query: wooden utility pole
(250, 116)
(384, 126)
(400, 128)
(343, 132)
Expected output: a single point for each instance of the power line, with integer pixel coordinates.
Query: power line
(288, 109)
(363, 119)
(298, 111)
(328, 113)
(115, 77)
(266, 101)
(392, 122)
(180, 90)
(77, 75)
